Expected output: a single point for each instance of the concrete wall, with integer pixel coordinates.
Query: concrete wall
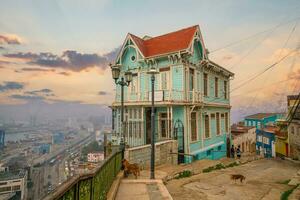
(248, 139)
(294, 139)
(141, 155)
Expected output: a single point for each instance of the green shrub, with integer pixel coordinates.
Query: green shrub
(184, 174)
(285, 195)
(285, 181)
(232, 164)
(209, 169)
(220, 166)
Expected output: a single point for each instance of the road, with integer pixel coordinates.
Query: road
(263, 181)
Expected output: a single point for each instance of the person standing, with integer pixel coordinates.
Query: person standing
(238, 152)
(232, 151)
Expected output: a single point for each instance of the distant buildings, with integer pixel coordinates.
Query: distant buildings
(2, 139)
(245, 137)
(58, 138)
(13, 185)
(265, 141)
(95, 157)
(44, 148)
(261, 120)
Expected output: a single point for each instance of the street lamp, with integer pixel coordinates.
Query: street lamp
(152, 72)
(123, 82)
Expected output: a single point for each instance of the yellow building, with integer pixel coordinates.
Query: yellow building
(281, 139)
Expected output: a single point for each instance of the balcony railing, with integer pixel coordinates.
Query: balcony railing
(91, 185)
(162, 95)
(136, 132)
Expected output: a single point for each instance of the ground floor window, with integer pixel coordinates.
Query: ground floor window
(266, 140)
(194, 126)
(163, 125)
(206, 126)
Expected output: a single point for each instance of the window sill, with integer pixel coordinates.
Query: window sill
(196, 141)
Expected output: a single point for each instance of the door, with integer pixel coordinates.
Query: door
(179, 135)
(148, 126)
(286, 149)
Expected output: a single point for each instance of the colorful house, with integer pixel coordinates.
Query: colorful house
(281, 138)
(245, 137)
(261, 120)
(265, 141)
(192, 100)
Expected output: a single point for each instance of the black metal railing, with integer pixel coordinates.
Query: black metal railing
(91, 185)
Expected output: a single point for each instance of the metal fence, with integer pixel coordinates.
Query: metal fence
(92, 185)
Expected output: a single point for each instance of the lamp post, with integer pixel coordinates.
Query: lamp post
(152, 72)
(123, 82)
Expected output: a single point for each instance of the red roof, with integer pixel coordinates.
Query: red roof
(170, 42)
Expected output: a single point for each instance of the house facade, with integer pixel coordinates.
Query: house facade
(265, 141)
(261, 120)
(245, 137)
(192, 100)
(282, 147)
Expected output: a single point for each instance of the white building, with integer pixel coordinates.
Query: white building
(245, 137)
(13, 185)
(95, 157)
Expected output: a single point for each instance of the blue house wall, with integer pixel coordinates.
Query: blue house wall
(261, 123)
(262, 146)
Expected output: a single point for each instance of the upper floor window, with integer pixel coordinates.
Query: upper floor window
(164, 79)
(191, 79)
(194, 126)
(206, 124)
(133, 84)
(225, 90)
(259, 138)
(218, 123)
(216, 87)
(205, 84)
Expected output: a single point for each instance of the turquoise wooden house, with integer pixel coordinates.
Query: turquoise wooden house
(192, 100)
(261, 120)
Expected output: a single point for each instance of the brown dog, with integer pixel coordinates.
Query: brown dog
(237, 176)
(130, 168)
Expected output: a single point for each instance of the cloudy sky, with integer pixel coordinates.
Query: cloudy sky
(58, 50)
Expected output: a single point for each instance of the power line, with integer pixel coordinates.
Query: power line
(283, 47)
(254, 35)
(265, 70)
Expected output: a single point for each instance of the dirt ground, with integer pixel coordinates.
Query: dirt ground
(263, 181)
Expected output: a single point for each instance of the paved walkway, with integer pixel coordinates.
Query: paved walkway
(142, 189)
(145, 189)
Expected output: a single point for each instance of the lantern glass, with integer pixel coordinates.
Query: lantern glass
(128, 76)
(115, 72)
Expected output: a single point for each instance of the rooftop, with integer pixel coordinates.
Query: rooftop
(260, 115)
(238, 129)
(5, 176)
(167, 43)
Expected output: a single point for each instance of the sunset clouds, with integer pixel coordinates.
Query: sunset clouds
(10, 39)
(70, 59)
(56, 51)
